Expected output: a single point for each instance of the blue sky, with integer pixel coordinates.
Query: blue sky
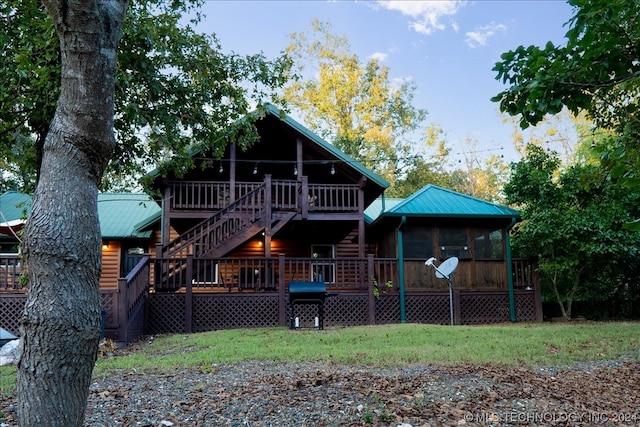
(447, 48)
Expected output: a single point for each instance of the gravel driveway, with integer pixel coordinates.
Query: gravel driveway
(260, 394)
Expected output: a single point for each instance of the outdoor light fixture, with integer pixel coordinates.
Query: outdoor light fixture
(105, 246)
(220, 169)
(333, 170)
(295, 170)
(255, 169)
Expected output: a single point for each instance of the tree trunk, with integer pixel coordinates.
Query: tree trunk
(60, 325)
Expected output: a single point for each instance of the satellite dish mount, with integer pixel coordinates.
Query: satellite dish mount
(445, 271)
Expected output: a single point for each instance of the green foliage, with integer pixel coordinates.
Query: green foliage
(573, 223)
(174, 89)
(597, 71)
(353, 105)
(380, 288)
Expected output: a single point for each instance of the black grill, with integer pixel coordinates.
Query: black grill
(307, 293)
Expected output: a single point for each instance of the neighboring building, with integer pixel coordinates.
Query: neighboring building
(227, 239)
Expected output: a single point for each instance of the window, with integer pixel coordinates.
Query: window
(205, 272)
(454, 243)
(417, 242)
(322, 266)
(488, 244)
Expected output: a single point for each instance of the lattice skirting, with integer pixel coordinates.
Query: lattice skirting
(11, 306)
(167, 312)
(484, 308)
(525, 306)
(211, 312)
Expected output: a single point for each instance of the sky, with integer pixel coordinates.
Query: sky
(447, 48)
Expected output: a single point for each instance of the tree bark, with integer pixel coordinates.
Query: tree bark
(60, 325)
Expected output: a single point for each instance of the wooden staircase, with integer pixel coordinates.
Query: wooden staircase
(222, 232)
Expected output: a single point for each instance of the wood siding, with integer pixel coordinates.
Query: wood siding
(111, 261)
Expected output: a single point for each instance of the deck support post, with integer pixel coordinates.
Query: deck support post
(282, 300)
(188, 298)
(123, 309)
(371, 296)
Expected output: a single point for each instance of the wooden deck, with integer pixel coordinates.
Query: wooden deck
(255, 296)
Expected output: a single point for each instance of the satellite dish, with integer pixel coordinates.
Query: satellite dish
(445, 269)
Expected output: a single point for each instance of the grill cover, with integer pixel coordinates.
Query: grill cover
(307, 291)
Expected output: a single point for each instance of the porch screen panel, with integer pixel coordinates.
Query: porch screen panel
(488, 244)
(417, 242)
(454, 242)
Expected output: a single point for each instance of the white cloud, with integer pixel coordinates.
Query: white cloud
(481, 35)
(427, 15)
(379, 56)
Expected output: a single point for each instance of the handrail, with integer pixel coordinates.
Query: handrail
(218, 227)
(10, 270)
(132, 291)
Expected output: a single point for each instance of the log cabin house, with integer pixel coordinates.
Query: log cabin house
(221, 245)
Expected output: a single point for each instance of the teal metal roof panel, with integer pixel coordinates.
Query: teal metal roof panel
(378, 207)
(432, 200)
(122, 214)
(14, 205)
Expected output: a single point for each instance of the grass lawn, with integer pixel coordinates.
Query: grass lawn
(386, 345)
(522, 344)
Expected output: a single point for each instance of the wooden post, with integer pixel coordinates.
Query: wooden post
(282, 298)
(188, 298)
(123, 309)
(232, 173)
(268, 213)
(304, 198)
(371, 296)
(166, 214)
(299, 163)
(361, 228)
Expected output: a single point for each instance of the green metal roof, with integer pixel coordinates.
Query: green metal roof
(122, 215)
(378, 206)
(126, 215)
(14, 205)
(433, 201)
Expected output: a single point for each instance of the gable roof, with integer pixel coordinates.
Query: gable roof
(278, 134)
(341, 156)
(432, 201)
(122, 215)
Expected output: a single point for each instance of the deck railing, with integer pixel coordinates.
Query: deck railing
(10, 270)
(285, 195)
(132, 291)
(524, 273)
(268, 274)
(206, 195)
(219, 227)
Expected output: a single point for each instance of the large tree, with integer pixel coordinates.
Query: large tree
(174, 86)
(597, 71)
(572, 222)
(352, 104)
(171, 92)
(60, 325)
